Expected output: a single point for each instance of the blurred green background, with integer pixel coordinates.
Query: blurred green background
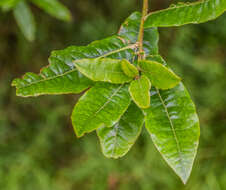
(38, 148)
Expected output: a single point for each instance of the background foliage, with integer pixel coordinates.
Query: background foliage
(38, 148)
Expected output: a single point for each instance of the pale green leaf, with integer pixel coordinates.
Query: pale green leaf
(102, 105)
(54, 8)
(25, 20)
(129, 69)
(103, 69)
(187, 13)
(140, 91)
(116, 141)
(159, 75)
(173, 124)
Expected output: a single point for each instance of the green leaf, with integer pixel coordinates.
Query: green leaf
(103, 69)
(116, 141)
(173, 124)
(159, 75)
(61, 76)
(6, 5)
(140, 91)
(129, 69)
(130, 30)
(187, 13)
(102, 105)
(25, 20)
(54, 8)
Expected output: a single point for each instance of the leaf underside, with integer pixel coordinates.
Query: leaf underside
(159, 75)
(103, 69)
(140, 91)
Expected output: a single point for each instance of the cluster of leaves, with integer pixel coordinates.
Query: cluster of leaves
(125, 92)
(25, 18)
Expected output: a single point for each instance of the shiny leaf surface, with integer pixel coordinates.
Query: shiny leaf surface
(61, 76)
(102, 105)
(103, 69)
(159, 75)
(116, 141)
(140, 91)
(25, 20)
(186, 13)
(173, 124)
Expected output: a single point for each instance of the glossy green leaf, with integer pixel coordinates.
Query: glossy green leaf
(25, 20)
(129, 69)
(159, 75)
(140, 91)
(102, 105)
(173, 124)
(103, 69)
(54, 8)
(187, 13)
(130, 30)
(116, 141)
(61, 76)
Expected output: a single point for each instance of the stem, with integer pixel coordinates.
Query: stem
(141, 32)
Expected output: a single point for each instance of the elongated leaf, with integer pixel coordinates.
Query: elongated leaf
(25, 20)
(174, 127)
(54, 8)
(140, 91)
(116, 141)
(187, 13)
(129, 69)
(102, 105)
(61, 76)
(159, 75)
(103, 69)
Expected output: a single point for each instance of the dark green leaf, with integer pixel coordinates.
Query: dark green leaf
(140, 91)
(159, 75)
(130, 30)
(61, 76)
(116, 141)
(54, 8)
(25, 20)
(174, 127)
(187, 13)
(103, 69)
(102, 105)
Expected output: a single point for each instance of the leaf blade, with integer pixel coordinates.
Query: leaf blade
(159, 75)
(140, 91)
(103, 104)
(116, 141)
(54, 8)
(25, 20)
(187, 13)
(173, 114)
(103, 69)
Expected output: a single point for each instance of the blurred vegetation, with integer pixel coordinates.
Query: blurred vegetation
(38, 148)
